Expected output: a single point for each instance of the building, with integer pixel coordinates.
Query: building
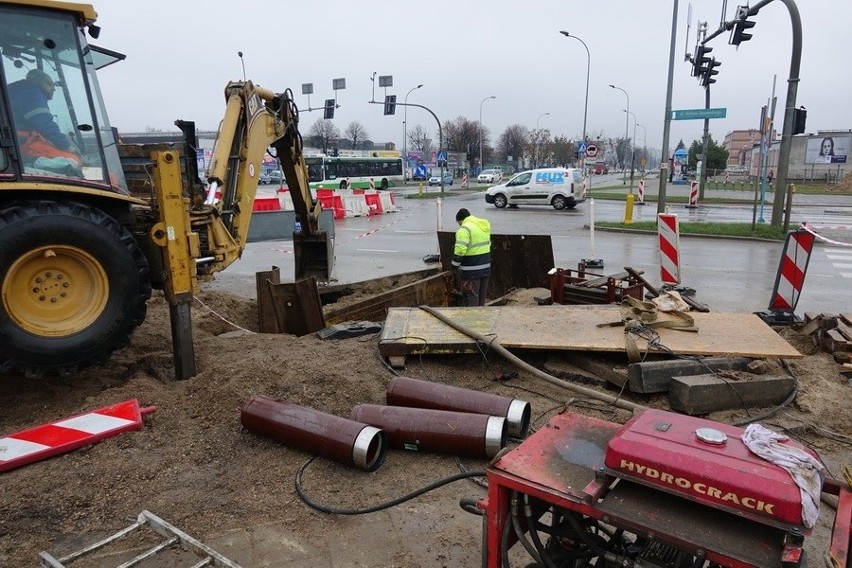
(820, 156)
(739, 144)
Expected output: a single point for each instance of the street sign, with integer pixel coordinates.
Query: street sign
(442, 157)
(697, 113)
(581, 147)
(591, 150)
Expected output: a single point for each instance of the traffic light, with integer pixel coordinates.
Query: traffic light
(708, 72)
(738, 33)
(390, 104)
(700, 60)
(328, 110)
(800, 116)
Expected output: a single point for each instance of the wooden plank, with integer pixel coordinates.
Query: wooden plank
(561, 327)
(703, 394)
(833, 340)
(433, 291)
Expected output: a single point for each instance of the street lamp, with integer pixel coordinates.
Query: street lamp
(644, 141)
(405, 131)
(633, 151)
(480, 129)
(536, 133)
(588, 68)
(626, 127)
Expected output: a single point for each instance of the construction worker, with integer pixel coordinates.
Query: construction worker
(472, 257)
(39, 134)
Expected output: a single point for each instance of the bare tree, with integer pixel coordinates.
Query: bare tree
(355, 131)
(538, 147)
(512, 143)
(419, 141)
(462, 135)
(564, 151)
(324, 135)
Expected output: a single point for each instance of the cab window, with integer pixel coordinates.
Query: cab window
(520, 179)
(578, 176)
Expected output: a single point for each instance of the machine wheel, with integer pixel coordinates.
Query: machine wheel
(559, 203)
(384, 184)
(343, 184)
(74, 286)
(500, 201)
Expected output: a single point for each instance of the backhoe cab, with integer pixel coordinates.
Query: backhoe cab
(80, 252)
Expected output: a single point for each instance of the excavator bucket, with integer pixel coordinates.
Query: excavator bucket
(314, 255)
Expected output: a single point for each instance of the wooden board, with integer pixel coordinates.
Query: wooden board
(574, 328)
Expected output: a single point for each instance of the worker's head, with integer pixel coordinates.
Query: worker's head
(462, 214)
(43, 80)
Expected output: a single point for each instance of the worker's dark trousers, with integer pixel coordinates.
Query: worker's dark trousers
(475, 291)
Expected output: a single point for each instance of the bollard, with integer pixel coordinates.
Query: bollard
(628, 209)
(420, 188)
(441, 431)
(340, 439)
(405, 391)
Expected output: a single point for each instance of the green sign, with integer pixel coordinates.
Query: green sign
(696, 113)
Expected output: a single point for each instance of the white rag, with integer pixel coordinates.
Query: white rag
(805, 470)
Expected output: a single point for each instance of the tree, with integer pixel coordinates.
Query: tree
(563, 151)
(324, 135)
(538, 147)
(462, 135)
(355, 131)
(512, 143)
(419, 140)
(717, 156)
(621, 148)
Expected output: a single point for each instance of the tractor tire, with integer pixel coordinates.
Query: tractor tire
(74, 286)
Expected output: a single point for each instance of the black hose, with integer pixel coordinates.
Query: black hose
(372, 509)
(533, 530)
(780, 407)
(519, 532)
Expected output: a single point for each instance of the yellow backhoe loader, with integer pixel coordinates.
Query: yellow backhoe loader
(79, 252)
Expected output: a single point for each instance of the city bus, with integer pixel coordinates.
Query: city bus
(329, 172)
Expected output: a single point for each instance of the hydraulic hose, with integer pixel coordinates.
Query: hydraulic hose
(493, 343)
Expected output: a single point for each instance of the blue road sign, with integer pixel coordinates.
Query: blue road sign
(442, 156)
(581, 148)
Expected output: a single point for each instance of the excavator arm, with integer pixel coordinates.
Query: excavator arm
(256, 119)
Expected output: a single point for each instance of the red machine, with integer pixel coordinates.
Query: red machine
(663, 490)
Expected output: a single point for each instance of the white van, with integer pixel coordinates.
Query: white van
(560, 188)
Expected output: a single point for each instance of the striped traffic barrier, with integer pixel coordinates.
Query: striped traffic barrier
(372, 184)
(790, 278)
(669, 236)
(693, 195)
(464, 181)
(640, 193)
(71, 433)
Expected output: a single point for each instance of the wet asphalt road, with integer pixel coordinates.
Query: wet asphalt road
(730, 275)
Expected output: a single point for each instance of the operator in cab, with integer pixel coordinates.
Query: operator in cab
(472, 257)
(42, 142)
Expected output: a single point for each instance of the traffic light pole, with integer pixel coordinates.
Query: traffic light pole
(703, 181)
(440, 131)
(664, 159)
(789, 107)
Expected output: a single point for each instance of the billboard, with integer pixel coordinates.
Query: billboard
(827, 149)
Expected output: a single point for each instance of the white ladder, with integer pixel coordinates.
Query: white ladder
(173, 536)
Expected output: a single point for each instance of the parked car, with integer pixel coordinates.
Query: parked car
(275, 176)
(490, 176)
(264, 179)
(561, 188)
(436, 180)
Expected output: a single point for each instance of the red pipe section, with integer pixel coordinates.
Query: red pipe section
(442, 431)
(404, 391)
(336, 438)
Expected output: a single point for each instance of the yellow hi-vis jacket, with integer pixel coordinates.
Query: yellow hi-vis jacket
(472, 251)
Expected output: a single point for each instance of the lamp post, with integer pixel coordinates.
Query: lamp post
(644, 141)
(405, 131)
(537, 135)
(633, 149)
(588, 68)
(480, 129)
(626, 127)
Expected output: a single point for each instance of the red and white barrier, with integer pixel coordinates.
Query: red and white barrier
(693, 195)
(388, 202)
(669, 235)
(464, 181)
(60, 437)
(640, 193)
(792, 270)
(372, 184)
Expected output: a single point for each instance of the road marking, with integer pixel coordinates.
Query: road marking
(376, 250)
(413, 232)
(840, 256)
(841, 265)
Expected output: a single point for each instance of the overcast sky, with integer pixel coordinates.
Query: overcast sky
(180, 55)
